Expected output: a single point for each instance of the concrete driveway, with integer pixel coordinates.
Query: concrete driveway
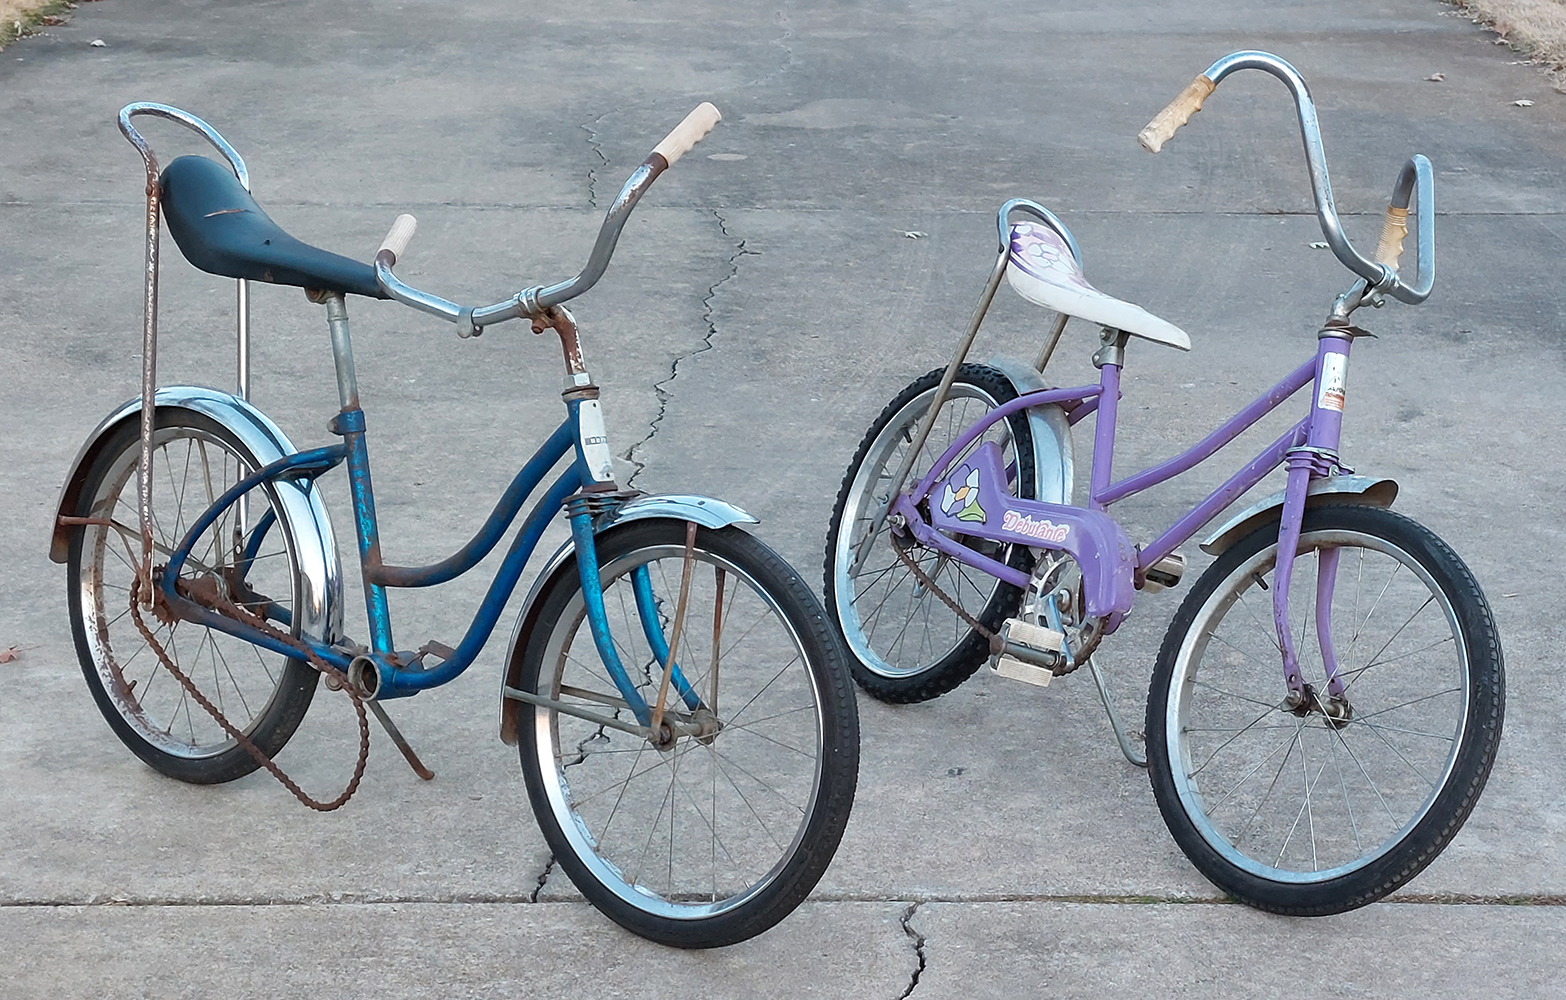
(765, 303)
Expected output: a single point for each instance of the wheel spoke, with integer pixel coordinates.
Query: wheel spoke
(1346, 800)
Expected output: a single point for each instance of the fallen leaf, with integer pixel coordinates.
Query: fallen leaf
(9, 654)
(98, 43)
(913, 234)
(1436, 77)
(1522, 104)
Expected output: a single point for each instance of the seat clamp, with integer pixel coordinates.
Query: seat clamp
(346, 422)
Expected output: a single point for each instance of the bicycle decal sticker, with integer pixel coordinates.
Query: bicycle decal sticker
(1334, 382)
(1044, 529)
(964, 500)
(1041, 252)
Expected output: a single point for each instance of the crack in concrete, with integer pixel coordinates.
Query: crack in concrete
(598, 150)
(789, 59)
(918, 944)
(660, 387)
(543, 877)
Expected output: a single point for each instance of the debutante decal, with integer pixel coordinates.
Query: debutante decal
(1043, 529)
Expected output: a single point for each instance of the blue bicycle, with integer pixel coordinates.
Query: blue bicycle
(683, 710)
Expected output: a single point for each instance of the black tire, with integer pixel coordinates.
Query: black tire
(263, 694)
(1421, 783)
(764, 800)
(886, 668)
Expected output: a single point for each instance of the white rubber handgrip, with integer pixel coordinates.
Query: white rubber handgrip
(1179, 111)
(1392, 232)
(397, 240)
(688, 132)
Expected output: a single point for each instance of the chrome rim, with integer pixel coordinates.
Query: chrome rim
(699, 828)
(1297, 799)
(895, 627)
(191, 468)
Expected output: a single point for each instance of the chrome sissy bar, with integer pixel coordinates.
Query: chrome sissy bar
(149, 331)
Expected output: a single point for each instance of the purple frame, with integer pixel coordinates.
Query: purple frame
(1308, 448)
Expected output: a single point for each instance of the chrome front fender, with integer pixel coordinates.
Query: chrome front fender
(1333, 489)
(1052, 461)
(705, 511)
(304, 511)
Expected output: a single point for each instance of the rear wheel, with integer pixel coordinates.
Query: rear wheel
(263, 694)
(1290, 810)
(905, 643)
(716, 835)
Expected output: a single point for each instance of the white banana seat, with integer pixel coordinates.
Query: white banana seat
(1043, 270)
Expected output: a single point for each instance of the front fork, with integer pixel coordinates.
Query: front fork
(647, 611)
(1317, 459)
(595, 465)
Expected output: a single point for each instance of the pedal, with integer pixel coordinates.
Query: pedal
(1165, 573)
(1027, 673)
(1029, 653)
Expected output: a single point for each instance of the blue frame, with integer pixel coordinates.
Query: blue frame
(397, 676)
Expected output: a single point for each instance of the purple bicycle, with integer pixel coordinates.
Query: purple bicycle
(1318, 727)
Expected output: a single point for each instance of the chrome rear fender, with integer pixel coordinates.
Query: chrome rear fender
(1052, 468)
(320, 583)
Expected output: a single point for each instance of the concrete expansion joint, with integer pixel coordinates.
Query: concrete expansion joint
(598, 151)
(918, 945)
(543, 877)
(660, 388)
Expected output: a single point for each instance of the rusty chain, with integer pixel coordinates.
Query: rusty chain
(946, 599)
(231, 609)
(995, 641)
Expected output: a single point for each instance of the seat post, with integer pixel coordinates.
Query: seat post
(242, 336)
(342, 349)
(350, 424)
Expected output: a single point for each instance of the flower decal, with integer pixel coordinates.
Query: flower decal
(964, 500)
(1041, 252)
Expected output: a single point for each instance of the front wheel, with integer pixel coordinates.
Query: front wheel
(1290, 810)
(715, 836)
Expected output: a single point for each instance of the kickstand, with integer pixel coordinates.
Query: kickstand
(402, 743)
(1139, 759)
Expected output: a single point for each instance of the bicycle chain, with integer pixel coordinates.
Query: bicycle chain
(932, 587)
(227, 607)
(997, 644)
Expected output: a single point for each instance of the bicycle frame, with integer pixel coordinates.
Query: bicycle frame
(399, 674)
(586, 489)
(1112, 569)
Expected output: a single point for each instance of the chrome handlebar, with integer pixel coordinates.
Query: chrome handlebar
(1415, 179)
(534, 301)
(471, 320)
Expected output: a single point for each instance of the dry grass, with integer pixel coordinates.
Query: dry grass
(1535, 30)
(19, 18)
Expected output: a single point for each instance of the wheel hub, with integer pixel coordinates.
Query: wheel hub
(1336, 709)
